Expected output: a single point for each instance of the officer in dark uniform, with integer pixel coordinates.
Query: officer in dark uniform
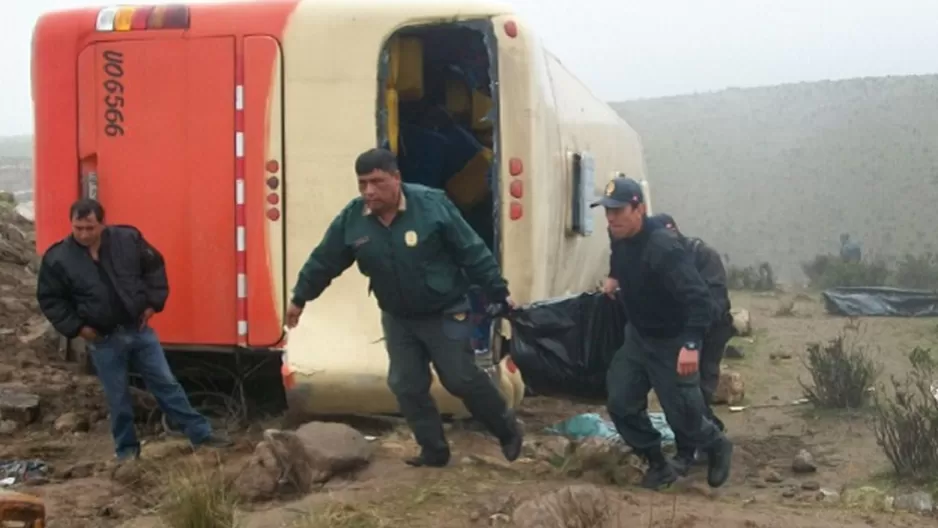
(668, 309)
(710, 267)
(421, 257)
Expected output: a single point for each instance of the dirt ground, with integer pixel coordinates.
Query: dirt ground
(81, 488)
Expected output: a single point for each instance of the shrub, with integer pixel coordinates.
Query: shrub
(753, 278)
(842, 374)
(906, 423)
(198, 497)
(918, 272)
(829, 271)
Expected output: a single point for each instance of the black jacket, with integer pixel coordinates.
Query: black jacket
(71, 291)
(710, 266)
(663, 293)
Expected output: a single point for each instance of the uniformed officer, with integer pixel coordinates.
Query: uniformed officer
(668, 310)
(710, 267)
(421, 257)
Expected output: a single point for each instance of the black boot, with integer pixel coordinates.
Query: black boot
(684, 460)
(660, 473)
(511, 445)
(719, 460)
(426, 458)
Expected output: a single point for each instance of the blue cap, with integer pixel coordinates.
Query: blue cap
(619, 193)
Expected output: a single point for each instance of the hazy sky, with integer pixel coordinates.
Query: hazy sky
(626, 49)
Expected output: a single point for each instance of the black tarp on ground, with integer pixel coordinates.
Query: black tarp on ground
(880, 301)
(563, 346)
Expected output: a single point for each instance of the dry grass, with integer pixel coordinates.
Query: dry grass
(343, 515)
(198, 497)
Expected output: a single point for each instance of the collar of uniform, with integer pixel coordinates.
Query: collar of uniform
(401, 205)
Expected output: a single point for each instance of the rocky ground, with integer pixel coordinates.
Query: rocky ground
(793, 466)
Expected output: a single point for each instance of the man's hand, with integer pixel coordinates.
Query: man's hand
(610, 286)
(511, 304)
(88, 334)
(688, 361)
(145, 318)
(293, 315)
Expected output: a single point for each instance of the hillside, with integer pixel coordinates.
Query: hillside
(777, 173)
(16, 146)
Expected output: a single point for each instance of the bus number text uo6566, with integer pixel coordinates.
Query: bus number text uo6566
(114, 99)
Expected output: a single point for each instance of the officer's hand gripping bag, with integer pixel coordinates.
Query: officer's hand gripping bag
(563, 346)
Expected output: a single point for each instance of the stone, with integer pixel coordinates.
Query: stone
(916, 502)
(790, 493)
(289, 462)
(79, 470)
(733, 352)
(731, 390)
(810, 485)
(8, 427)
(578, 505)
(803, 463)
(260, 479)
(6, 373)
(741, 322)
(827, 495)
(773, 477)
(71, 422)
(18, 405)
(334, 447)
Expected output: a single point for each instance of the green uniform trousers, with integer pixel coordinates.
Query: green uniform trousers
(443, 340)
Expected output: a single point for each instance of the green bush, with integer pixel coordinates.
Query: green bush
(842, 374)
(918, 272)
(760, 278)
(906, 422)
(830, 271)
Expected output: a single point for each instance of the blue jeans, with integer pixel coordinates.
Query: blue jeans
(112, 356)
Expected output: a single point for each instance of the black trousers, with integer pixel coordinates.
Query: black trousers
(642, 364)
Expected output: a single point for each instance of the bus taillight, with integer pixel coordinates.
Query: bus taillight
(136, 18)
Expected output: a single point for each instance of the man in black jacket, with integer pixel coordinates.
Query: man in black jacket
(710, 266)
(104, 283)
(668, 310)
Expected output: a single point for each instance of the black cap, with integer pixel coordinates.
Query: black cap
(619, 193)
(666, 219)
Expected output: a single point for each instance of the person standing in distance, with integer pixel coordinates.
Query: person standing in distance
(710, 267)
(420, 256)
(104, 283)
(668, 311)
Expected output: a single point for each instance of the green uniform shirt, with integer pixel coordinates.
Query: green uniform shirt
(420, 265)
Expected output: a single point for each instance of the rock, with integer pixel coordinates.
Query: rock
(778, 355)
(80, 470)
(18, 405)
(803, 463)
(8, 427)
(732, 352)
(790, 493)
(296, 461)
(71, 422)
(741, 322)
(6, 373)
(582, 505)
(260, 480)
(810, 485)
(773, 477)
(826, 495)
(334, 447)
(731, 389)
(917, 502)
